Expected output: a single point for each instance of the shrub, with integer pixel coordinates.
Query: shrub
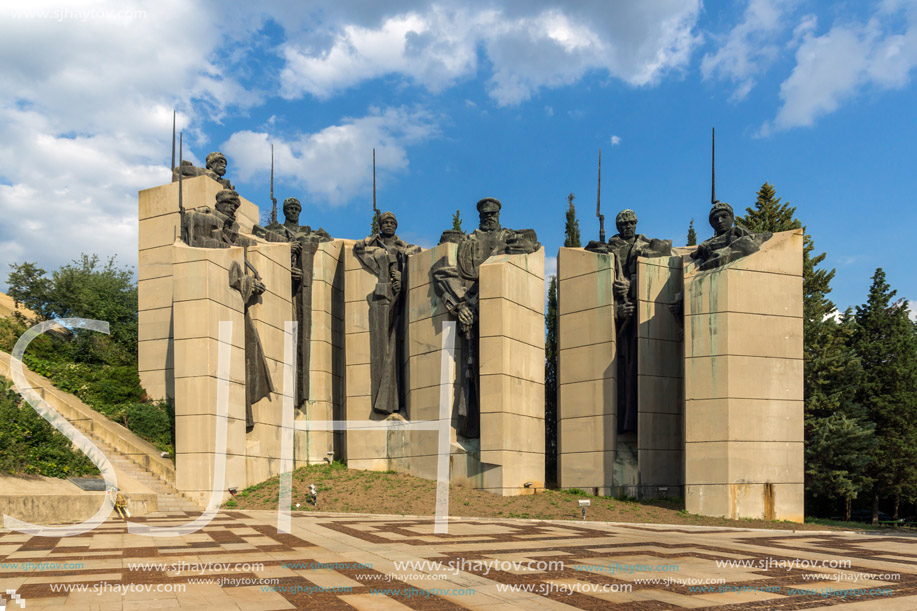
(31, 445)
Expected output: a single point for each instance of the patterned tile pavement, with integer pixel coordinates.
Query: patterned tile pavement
(338, 561)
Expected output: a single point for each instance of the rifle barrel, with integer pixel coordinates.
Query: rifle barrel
(273, 199)
(172, 167)
(713, 166)
(181, 205)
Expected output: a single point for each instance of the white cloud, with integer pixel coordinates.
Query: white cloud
(848, 59)
(527, 46)
(750, 47)
(336, 163)
(85, 120)
(615, 140)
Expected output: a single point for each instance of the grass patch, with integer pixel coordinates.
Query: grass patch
(387, 492)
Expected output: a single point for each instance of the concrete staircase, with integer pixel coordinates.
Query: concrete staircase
(131, 456)
(168, 499)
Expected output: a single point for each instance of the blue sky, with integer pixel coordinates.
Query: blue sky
(511, 99)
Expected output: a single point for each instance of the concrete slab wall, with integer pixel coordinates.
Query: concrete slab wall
(511, 352)
(326, 375)
(587, 391)
(660, 377)
(202, 298)
(744, 385)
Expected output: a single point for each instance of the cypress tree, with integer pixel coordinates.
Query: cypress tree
(374, 228)
(457, 221)
(571, 231)
(550, 384)
(692, 235)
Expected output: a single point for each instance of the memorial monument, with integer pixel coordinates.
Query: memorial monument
(369, 343)
(459, 289)
(718, 370)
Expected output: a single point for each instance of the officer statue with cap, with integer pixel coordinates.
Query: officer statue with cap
(385, 255)
(730, 243)
(457, 286)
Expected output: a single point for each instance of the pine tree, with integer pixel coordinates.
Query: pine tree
(769, 214)
(885, 341)
(457, 221)
(692, 235)
(571, 231)
(550, 384)
(831, 369)
(839, 456)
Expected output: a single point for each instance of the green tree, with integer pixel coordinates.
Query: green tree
(550, 384)
(457, 221)
(839, 456)
(831, 369)
(768, 214)
(571, 230)
(885, 342)
(84, 288)
(692, 235)
(374, 228)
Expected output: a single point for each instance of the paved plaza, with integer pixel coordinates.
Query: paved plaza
(338, 561)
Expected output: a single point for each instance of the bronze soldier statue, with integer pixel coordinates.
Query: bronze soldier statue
(219, 229)
(215, 169)
(730, 243)
(303, 246)
(385, 255)
(627, 246)
(458, 288)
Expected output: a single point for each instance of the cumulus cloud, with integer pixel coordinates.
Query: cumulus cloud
(335, 164)
(750, 47)
(85, 118)
(528, 46)
(615, 140)
(847, 60)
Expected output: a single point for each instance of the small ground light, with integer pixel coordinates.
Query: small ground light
(329, 456)
(314, 492)
(583, 503)
(233, 491)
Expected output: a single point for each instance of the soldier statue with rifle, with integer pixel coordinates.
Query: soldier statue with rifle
(626, 246)
(385, 255)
